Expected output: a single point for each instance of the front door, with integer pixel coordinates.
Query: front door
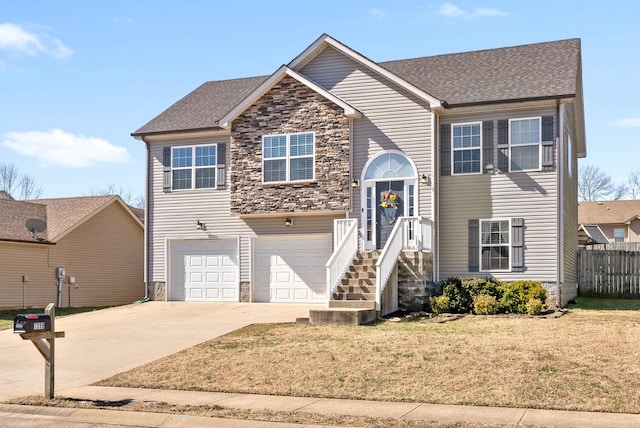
(389, 207)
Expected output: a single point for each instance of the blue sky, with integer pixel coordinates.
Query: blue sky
(77, 77)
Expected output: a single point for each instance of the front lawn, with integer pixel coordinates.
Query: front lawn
(587, 359)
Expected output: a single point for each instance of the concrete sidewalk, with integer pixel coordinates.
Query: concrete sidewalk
(403, 411)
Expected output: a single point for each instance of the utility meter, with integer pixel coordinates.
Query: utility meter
(60, 273)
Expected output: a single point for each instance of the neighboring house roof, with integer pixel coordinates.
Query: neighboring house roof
(608, 212)
(536, 71)
(13, 220)
(594, 234)
(5, 195)
(61, 216)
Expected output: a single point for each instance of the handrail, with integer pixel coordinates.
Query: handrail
(345, 249)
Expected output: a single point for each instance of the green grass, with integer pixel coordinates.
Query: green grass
(7, 316)
(601, 304)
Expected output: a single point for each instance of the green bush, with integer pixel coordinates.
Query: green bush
(485, 304)
(440, 304)
(516, 295)
(460, 301)
(534, 307)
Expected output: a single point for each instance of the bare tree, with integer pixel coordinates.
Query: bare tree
(23, 186)
(634, 184)
(127, 196)
(596, 185)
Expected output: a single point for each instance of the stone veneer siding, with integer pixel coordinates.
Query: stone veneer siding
(290, 107)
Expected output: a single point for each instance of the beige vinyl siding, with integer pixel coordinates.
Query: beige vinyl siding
(17, 259)
(105, 256)
(570, 200)
(392, 118)
(532, 196)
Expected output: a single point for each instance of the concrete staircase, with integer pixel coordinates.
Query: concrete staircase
(354, 301)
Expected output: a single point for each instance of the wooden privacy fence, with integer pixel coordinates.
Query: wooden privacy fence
(609, 273)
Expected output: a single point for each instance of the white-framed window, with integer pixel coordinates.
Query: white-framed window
(193, 167)
(618, 234)
(495, 245)
(288, 157)
(525, 144)
(467, 148)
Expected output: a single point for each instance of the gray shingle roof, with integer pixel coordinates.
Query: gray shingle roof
(541, 70)
(595, 234)
(538, 70)
(203, 107)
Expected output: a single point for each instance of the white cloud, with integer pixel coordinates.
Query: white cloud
(631, 122)
(378, 13)
(59, 148)
(453, 11)
(14, 38)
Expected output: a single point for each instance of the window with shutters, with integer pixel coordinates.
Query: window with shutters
(495, 245)
(525, 144)
(467, 148)
(193, 167)
(288, 157)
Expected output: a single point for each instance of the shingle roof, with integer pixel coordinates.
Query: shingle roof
(538, 70)
(14, 216)
(608, 212)
(204, 106)
(5, 195)
(534, 71)
(64, 213)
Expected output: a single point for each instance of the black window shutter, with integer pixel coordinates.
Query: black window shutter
(487, 145)
(474, 245)
(166, 169)
(445, 150)
(222, 169)
(548, 152)
(503, 145)
(517, 245)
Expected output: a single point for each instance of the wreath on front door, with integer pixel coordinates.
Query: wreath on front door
(389, 199)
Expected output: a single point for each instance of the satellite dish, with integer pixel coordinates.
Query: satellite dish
(35, 226)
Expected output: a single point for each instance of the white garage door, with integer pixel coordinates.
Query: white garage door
(204, 270)
(291, 268)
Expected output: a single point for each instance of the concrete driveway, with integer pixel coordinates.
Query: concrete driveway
(102, 343)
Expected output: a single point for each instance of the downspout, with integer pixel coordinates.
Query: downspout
(560, 172)
(147, 193)
(435, 203)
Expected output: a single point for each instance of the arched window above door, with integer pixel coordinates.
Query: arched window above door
(390, 165)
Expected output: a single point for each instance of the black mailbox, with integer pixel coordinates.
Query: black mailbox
(31, 323)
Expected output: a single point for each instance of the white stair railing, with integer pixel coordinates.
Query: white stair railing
(345, 238)
(409, 233)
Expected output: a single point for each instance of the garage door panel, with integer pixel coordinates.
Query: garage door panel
(292, 269)
(204, 270)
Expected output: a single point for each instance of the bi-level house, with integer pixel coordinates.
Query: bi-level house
(312, 183)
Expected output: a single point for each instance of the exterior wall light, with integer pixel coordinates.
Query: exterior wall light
(425, 179)
(200, 225)
(355, 183)
(288, 222)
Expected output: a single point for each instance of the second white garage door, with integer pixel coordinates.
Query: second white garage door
(291, 268)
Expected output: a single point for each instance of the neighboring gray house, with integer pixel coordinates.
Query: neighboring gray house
(265, 188)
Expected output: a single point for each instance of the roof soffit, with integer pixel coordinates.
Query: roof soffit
(325, 41)
(283, 71)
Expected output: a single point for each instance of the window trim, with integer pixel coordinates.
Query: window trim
(454, 150)
(539, 144)
(193, 168)
(624, 233)
(288, 158)
(481, 268)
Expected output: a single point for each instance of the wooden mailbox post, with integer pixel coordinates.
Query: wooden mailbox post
(47, 350)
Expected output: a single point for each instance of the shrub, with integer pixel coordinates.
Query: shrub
(516, 295)
(440, 304)
(459, 299)
(534, 307)
(485, 304)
